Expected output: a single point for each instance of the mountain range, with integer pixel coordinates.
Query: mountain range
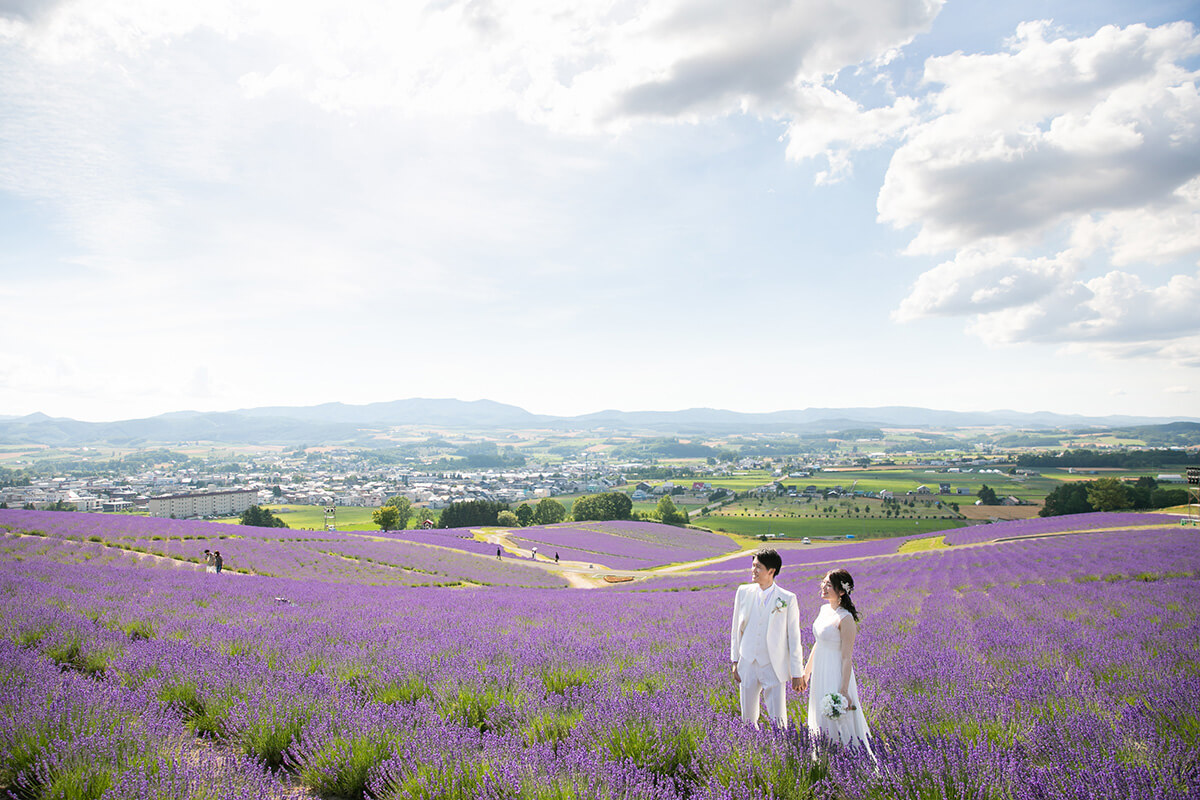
(358, 424)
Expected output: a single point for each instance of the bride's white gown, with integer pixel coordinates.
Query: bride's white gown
(827, 677)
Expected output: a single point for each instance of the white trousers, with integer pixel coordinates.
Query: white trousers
(761, 680)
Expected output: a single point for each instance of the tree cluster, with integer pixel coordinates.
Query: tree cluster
(1110, 494)
(1121, 459)
(669, 514)
(610, 505)
(467, 513)
(548, 512)
(394, 514)
(987, 495)
(259, 517)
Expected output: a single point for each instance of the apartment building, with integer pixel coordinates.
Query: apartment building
(203, 504)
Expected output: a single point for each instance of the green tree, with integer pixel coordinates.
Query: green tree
(259, 517)
(467, 513)
(669, 514)
(403, 508)
(277, 491)
(1109, 494)
(421, 515)
(387, 518)
(610, 505)
(524, 514)
(507, 519)
(1141, 491)
(1165, 498)
(585, 508)
(988, 495)
(548, 512)
(1069, 498)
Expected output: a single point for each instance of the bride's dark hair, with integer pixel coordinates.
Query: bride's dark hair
(843, 584)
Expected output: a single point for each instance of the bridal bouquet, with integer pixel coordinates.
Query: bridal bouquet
(833, 705)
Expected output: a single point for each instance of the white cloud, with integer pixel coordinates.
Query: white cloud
(981, 282)
(1093, 142)
(1020, 142)
(1116, 309)
(828, 123)
(177, 78)
(1178, 390)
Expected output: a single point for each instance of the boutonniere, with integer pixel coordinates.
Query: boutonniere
(780, 605)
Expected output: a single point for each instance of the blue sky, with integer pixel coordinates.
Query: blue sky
(639, 205)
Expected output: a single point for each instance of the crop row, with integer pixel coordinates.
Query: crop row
(1050, 667)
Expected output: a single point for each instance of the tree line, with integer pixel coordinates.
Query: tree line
(395, 514)
(1120, 459)
(1111, 494)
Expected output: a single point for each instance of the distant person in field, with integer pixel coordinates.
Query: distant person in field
(218, 562)
(498, 554)
(764, 641)
(830, 664)
(209, 564)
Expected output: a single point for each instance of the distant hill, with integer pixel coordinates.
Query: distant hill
(341, 423)
(1173, 434)
(183, 426)
(416, 411)
(833, 419)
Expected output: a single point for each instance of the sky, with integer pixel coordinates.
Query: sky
(630, 204)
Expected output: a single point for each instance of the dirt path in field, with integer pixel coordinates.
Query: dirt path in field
(216, 758)
(582, 575)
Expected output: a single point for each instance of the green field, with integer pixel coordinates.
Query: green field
(843, 508)
(349, 518)
(798, 527)
(898, 480)
(639, 505)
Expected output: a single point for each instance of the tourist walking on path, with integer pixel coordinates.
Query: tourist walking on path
(218, 562)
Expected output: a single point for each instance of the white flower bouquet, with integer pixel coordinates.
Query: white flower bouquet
(833, 705)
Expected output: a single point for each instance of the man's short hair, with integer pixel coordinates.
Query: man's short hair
(770, 559)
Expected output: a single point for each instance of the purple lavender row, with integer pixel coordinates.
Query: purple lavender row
(603, 546)
(668, 535)
(976, 534)
(606, 560)
(64, 729)
(329, 556)
(652, 542)
(454, 538)
(1005, 670)
(442, 561)
(818, 553)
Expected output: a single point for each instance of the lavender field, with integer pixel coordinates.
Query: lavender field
(438, 558)
(1063, 666)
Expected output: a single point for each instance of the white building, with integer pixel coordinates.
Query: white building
(203, 504)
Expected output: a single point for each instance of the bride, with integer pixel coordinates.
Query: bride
(829, 666)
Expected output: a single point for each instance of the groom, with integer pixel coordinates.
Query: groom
(764, 643)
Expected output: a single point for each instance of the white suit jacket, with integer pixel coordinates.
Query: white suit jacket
(783, 630)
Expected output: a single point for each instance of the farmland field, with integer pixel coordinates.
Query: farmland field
(349, 518)
(863, 517)
(795, 528)
(1061, 666)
